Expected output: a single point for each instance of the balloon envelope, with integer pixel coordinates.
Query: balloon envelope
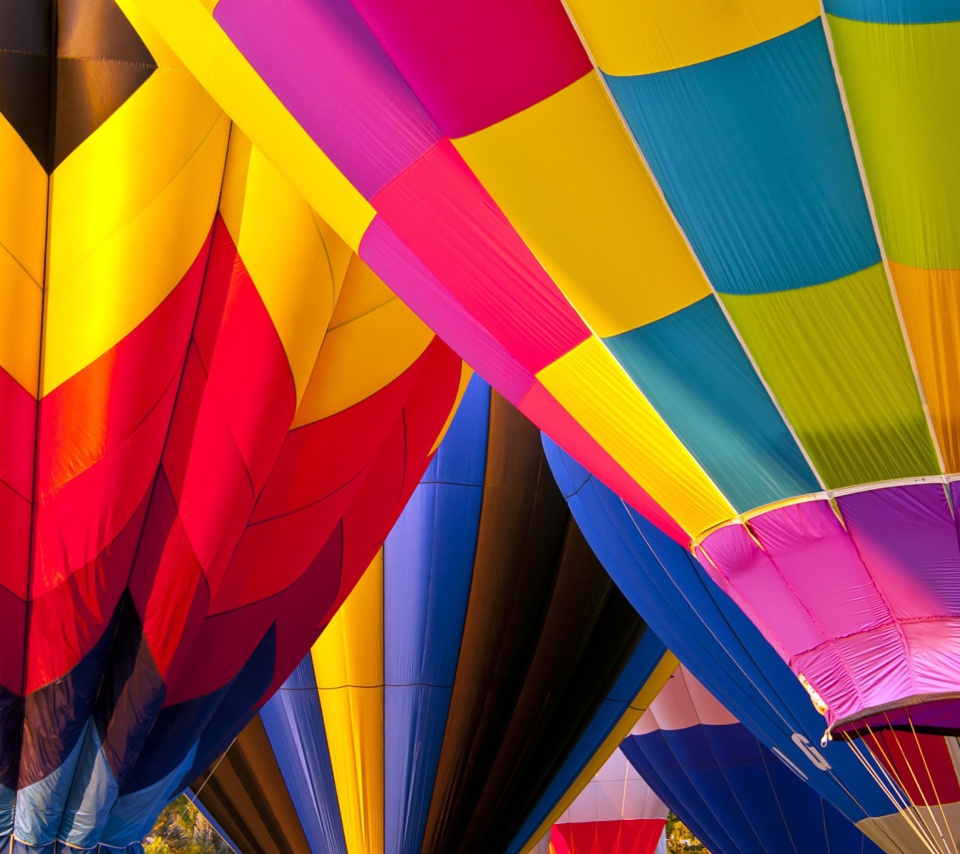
(212, 412)
(710, 252)
(466, 684)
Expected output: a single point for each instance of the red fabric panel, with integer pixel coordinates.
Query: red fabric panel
(921, 763)
(443, 213)
(13, 633)
(543, 410)
(634, 836)
(473, 64)
(317, 551)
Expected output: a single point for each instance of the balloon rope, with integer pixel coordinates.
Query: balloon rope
(889, 786)
(923, 810)
(933, 783)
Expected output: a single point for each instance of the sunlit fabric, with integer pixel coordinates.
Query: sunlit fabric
(616, 813)
(729, 656)
(710, 249)
(483, 666)
(212, 413)
(730, 790)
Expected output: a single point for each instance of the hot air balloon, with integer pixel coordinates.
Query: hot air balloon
(734, 794)
(708, 249)
(212, 412)
(616, 813)
(466, 684)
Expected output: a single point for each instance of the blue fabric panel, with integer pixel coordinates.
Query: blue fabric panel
(92, 795)
(39, 806)
(694, 371)
(428, 566)
(754, 156)
(134, 814)
(294, 724)
(895, 11)
(639, 668)
(8, 798)
(661, 769)
(711, 636)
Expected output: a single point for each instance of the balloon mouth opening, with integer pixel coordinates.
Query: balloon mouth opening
(930, 715)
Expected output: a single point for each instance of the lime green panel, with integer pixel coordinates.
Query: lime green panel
(903, 85)
(835, 360)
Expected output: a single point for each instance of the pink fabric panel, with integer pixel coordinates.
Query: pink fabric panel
(935, 653)
(825, 669)
(752, 580)
(820, 563)
(329, 71)
(390, 258)
(444, 215)
(473, 64)
(907, 537)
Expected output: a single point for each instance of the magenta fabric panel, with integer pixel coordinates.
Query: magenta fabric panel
(907, 536)
(473, 64)
(324, 64)
(390, 258)
(750, 578)
(440, 210)
(935, 653)
(818, 560)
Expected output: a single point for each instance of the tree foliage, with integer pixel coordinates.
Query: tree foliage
(181, 829)
(680, 840)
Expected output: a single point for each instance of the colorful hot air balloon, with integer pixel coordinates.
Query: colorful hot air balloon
(212, 412)
(466, 684)
(732, 792)
(708, 248)
(616, 813)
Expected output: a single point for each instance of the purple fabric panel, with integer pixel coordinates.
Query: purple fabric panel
(329, 71)
(935, 655)
(937, 716)
(750, 578)
(820, 563)
(391, 259)
(907, 537)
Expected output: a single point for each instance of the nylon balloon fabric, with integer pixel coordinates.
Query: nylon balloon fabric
(483, 667)
(729, 789)
(708, 249)
(213, 412)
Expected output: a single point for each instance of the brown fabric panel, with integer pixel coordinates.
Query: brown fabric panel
(247, 796)
(589, 633)
(26, 35)
(523, 524)
(101, 61)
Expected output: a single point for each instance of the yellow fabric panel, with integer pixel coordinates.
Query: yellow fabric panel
(348, 663)
(149, 177)
(372, 339)
(630, 37)
(296, 268)
(198, 40)
(592, 386)
(465, 373)
(662, 672)
(835, 359)
(569, 178)
(23, 236)
(930, 304)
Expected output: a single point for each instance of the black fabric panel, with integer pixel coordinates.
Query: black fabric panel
(11, 728)
(101, 61)
(523, 523)
(131, 696)
(248, 798)
(26, 37)
(589, 635)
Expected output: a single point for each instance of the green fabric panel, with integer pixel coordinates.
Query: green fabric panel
(834, 357)
(903, 86)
